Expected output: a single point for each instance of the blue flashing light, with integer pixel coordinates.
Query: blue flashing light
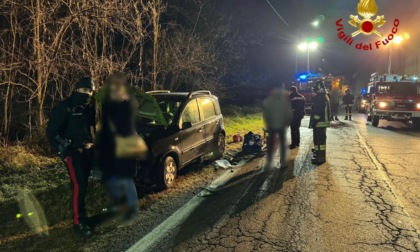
(303, 77)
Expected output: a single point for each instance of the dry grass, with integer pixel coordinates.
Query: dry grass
(241, 123)
(19, 159)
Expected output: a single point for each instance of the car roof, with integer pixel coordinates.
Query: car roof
(178, 94)
(181, 95)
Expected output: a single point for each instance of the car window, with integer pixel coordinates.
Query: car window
(191, 113)
(169, 109)
(207, 106)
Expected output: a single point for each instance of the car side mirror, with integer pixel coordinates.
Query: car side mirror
(186, 125)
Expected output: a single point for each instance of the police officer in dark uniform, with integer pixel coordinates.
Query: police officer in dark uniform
(348, 102)
(298, 106)
(70, 132)
(319, 122)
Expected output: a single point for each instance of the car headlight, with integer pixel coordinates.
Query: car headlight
(364, 101)
(418, 106)
(383, 104)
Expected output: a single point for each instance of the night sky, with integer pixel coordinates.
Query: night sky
(274, 52)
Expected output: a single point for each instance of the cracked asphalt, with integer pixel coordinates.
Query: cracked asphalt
(365, 198)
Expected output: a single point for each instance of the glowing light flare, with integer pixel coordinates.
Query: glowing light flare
(303, 46)
(313, 45)
(398, 40)
(383, 105)
(308, 45)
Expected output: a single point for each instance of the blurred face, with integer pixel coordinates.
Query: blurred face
(85, 91)
(117, 92)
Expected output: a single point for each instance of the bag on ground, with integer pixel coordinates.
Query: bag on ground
(252, 143)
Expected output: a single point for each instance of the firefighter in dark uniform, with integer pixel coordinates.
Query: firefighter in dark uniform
(298, 106)
(348, 102)
(319, 122)
(70, 132)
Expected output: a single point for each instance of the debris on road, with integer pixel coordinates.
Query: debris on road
(222, 163)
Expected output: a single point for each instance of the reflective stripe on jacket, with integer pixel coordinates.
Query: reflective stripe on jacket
(321, 112)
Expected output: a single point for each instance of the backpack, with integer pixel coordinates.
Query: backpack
(252, 143)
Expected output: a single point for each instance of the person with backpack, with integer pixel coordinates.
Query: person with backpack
(278, 115)
(298, 106)
(70, 132)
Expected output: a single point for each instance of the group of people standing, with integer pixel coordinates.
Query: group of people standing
(71, 132)
(75, 118)
(282, 109)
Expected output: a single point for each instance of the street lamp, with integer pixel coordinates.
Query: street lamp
(308, 46)
(397, 40)
(315, 23)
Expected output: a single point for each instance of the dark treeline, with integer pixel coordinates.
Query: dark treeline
(46, 45)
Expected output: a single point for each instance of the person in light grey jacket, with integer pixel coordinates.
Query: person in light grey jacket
(278, 115)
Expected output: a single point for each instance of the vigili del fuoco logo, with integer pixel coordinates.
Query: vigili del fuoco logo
(367, 25)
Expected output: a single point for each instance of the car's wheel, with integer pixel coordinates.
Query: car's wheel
(416, 123)
(375, 121)
(220, 146)
(167, 173)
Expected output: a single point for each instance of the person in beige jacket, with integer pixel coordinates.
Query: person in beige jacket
(278, 115)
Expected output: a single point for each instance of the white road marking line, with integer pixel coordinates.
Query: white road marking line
(232, 207)
(264, 187)
(177, 218)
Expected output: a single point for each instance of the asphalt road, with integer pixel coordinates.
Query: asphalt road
(365, 198)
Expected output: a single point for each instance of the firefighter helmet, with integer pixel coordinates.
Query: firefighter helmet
(348, 91)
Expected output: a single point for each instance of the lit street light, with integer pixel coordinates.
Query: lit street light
(308, 46)
(397, 40)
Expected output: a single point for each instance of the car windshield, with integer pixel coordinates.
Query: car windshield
(169, 106)
(399, 88)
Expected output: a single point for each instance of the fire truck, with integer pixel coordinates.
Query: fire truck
(393, 98)
(306, 83)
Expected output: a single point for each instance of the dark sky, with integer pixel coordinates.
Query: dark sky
(276, 55)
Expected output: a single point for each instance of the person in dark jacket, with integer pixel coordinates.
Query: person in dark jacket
(70, 132)
(335, 104)
(319, 122)
(298, 106)
(118, 119)
(348, 102)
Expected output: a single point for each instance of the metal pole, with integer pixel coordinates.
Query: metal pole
(390, 58)
(307, 68)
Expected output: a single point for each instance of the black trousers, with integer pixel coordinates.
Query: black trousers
(295, 131)
(320, 139)
(335, 107)
(348, 108)
(78, 164)
(273, 135)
